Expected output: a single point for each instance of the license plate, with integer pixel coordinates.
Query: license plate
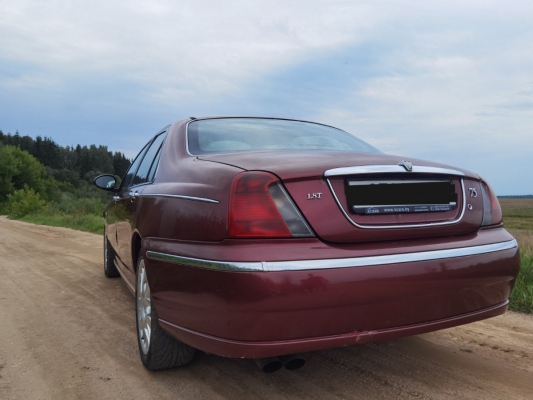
(400, 196)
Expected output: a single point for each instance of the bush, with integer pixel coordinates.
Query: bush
(23, 202)
(19, 169)
(70, 204)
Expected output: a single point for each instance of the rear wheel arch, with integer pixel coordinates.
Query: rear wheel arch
(157, 349)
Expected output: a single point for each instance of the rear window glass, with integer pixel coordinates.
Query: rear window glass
(229, 135)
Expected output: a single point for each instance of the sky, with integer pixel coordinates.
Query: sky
(447, 81)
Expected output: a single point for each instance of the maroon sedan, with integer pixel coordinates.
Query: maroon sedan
(262, 238)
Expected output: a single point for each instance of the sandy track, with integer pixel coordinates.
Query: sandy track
(67, 332)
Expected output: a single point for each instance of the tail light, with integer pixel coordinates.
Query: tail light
(492, 212)
(260, 208)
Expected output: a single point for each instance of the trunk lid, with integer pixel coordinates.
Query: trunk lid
(325, 185)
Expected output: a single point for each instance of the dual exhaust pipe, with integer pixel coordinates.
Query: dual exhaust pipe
(291, 362)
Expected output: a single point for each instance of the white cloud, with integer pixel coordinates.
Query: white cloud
(456, 75)
(187, 45)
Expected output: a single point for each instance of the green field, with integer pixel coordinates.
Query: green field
(518, 220)
(518, 214)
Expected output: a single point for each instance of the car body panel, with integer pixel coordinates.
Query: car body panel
(306, 164)
(126, 211)
(301, 181)
(337, 228)
(110, 226)
(249, 349)
(201, 211)
(289, 305)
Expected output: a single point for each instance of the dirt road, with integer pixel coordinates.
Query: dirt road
(67, 332)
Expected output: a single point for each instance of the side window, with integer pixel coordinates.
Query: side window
(153, 168)
(144, 169)
(126, 182)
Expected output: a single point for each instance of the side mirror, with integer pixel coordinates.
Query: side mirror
(105, 182)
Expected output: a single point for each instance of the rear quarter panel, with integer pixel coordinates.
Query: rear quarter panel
(181, 174)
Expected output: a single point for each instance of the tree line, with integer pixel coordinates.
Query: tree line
(68, 163)
(56, 173)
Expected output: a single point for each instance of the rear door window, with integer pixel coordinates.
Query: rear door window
(133, 168)
(153, 168)
(147, 164)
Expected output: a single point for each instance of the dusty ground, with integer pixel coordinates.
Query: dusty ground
(67, 332)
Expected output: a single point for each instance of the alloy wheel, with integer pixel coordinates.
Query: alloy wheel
(144, 309)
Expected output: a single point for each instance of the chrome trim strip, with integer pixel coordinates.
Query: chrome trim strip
(335, 262)
(386, 169)
(179, 196)
(373, 182)
(187, 138)
(209, 264)
(406, 205)
(399, 226)
(389, 259)
(167, 130)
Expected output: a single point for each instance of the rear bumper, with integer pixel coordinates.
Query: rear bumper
(243, 349)
(224, 298)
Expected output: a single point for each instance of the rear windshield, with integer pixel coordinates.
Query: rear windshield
(229, 135)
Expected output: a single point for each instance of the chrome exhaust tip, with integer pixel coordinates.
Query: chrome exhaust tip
(269, 365)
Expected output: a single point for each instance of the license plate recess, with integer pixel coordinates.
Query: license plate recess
(370, 197)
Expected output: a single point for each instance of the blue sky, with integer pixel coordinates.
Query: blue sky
(445, 81)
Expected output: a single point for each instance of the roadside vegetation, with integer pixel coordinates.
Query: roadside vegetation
(522, 295)
(84, 214)
(518, 220)
(44, 183)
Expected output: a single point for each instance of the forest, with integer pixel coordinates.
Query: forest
(43, 182)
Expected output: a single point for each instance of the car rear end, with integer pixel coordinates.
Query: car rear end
(342, 251)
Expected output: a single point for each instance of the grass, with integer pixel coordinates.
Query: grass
(521, 298)
(517, 214)
(81, 222)
(83, 214)
(518, 220)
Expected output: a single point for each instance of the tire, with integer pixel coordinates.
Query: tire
(158, 350)
(110, 270)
